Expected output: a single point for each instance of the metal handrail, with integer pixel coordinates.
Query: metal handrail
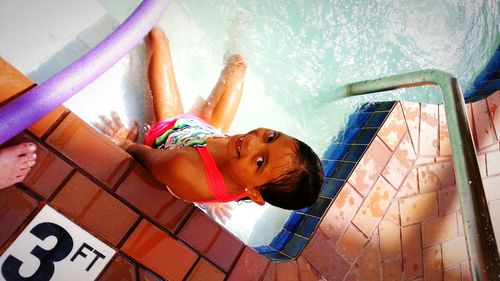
(482, 248)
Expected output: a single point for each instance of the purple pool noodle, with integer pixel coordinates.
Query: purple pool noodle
(23, 111)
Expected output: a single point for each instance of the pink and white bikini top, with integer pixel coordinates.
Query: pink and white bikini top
(188, 130)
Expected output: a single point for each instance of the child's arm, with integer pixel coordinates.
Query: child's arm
(161, 163)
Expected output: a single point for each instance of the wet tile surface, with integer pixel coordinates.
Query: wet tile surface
(485, 132)
(153, 199)
(374, 207)
(15, 207)
(94, 208)
(11, 81)
(90, 150)
(216, 244)
(119, 269)
(340, 214)
(203, 270)
(42, 126)
(325, 258)
(250, 266)
(394, 128)
(370, 167)
(159, 252)
(429, 130)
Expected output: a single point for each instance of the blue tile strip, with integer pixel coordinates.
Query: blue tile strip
(341, 158)
(339, 161)
(487, 82)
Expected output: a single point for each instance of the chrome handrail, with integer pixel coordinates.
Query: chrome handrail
(482, 248)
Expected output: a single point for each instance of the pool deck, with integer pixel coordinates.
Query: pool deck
(396, 218)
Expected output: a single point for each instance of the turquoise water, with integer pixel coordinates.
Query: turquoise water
(299, 53)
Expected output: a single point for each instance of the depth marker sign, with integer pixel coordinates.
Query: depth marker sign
(54, 248)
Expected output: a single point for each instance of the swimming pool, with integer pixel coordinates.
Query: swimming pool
(299, 57)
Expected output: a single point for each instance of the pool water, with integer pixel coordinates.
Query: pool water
(299, 53)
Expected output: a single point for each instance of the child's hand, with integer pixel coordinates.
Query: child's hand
(116, 132)
(219, 210)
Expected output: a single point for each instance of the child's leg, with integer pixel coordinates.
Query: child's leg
(220, 107)
(166, 99)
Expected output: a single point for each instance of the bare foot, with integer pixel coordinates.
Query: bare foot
(237, 60)
(15, 163)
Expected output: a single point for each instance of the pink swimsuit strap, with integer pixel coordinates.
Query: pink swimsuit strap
(214, 179)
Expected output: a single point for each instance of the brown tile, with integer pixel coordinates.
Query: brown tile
(468, 108)
(492, 188)
(444, 135)
(147, 276)
(485, 132)
(216, 244)
(250, 266)
(491, 148)
(448, 200)
(435, 176)
(307, 272)
(390, 240)
(429, 125)
(393, 270)
(204, 270)
(481, 162)
(351, 244)
(94, 208)
(418, 208)
(340, 214)
(493, 162)
(323, 256)
(409, 186)
(433, 263)
(411, 112)
(412, 251)
(270, 273)
(40, 127)
(493, 102)
(119, 269)
(287, 271)
(439, 230)
(452, 274)
(392, 213)
(370, 167)
(423, 160)
(454, 252)
(494, 207)
(15, 207)
(393, 128)
(369, 263)
(400, 164)
(159, 252)
(90, 150)
(374, 207)
(466, 273)
(153, 199)
(12, 81)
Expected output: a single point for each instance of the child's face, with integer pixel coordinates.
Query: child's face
(260, 156)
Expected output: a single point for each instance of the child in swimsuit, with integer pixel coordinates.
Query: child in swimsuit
(263, 165)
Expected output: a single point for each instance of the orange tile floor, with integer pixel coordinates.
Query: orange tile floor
(397, 218)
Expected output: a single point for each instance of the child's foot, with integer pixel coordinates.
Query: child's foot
(235, 69)
(15, 163)
(236, 60)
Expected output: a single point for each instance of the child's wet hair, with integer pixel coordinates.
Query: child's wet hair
(300, 186)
